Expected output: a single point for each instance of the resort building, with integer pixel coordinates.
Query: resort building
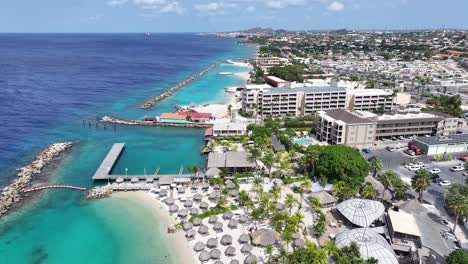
(369, 99)
(196, 117)
(403, 230)
(275, 81)
(442, 144)
(231, 161)
(229, 129)
(265, 63)
(172, 118)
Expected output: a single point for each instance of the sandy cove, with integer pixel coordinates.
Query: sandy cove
(177, 241)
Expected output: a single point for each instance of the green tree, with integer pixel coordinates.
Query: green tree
(268, 160)
(457, 201)
(388, 179)
(344, 191)
(254, 155)
(420, 182)
(290, 201)
(459, 256)
(376, 166)
(368, 191)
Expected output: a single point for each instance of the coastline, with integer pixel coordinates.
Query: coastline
(176, 242)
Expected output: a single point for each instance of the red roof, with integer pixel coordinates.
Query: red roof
(196, 115)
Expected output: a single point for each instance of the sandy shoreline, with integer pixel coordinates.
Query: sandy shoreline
(176, 241)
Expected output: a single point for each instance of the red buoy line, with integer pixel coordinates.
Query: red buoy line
(70, 187)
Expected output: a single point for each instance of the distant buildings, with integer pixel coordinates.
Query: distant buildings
(172, 118)
(229, 129)
(265, 63)
(440, 145)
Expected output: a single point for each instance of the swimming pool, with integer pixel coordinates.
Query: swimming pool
(302, 141)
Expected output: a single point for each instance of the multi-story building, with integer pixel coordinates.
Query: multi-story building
(265, 63)
(361, 128)
(370, 99)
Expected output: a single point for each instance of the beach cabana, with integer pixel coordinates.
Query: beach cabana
(173, 208)
(203, 205)
(264, 237)
(298, 243)
(212, 219)
(199, 246)
(243, 219)
(204, 256)
(215, 254)
(188, 203)
(212, 243)
(234, 261)
(169, 201)
(134, 180)
(212, 172)
(203, 230)
(182, 213)
(190, 233)
(227, 215)
(230, 251)
(218, 226)
(194, 211)
(197, 197)
(244, 238)
(226, 240)
(233, 223)
(196, 221)
(187, 225)
(250, 259)
(246, 248)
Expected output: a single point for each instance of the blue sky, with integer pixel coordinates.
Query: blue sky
(226, 15)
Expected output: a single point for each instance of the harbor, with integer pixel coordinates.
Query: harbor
(122, 121)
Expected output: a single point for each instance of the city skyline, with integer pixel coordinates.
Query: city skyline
(231, 15)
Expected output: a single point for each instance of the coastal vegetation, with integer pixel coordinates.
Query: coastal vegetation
(445, 104)
(292, 73)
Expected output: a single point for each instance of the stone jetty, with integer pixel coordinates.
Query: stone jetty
(12, 193)
(176, 87)
(100, 192)
(123, 121)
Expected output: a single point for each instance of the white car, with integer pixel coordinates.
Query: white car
(414, 168)
(420, 164)
(444, 183)
(409, 165)
(457, 168)
(434, 171)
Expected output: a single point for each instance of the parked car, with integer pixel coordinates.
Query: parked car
(464, 157)
(391, 149)
(434, 171)
(444, 183)
(414, 168)
(409, 165)
(457, 168)
(371, 158)
(410, 152)
(465, 174)
(366, 150)
(436, 178)
(420, 164)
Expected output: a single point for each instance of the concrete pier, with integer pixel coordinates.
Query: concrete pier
(102, 173)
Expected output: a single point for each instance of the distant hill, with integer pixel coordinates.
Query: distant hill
(264, 30)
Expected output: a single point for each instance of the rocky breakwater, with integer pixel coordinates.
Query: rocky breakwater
(176, 87)
(12, 194)
(100, 192)
(123, 121)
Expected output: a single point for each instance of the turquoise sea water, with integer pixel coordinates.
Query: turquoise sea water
(60, 227)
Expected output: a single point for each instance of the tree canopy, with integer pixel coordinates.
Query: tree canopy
(446, 104)
(458, 256)
(292, 73)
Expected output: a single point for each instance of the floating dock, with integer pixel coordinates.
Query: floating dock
(103, 172)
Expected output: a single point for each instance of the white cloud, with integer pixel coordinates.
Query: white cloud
(335, 6)
(153, 6)
(250, 9)
(279, 4)
(214, 8)
(117, 2)
(173, 7)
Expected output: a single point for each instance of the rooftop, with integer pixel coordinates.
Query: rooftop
(172, 116)
(229, 159)
(443, 140)
(345, 116)
(361, 212)
(321, 89)
(369, 92)
(404, 223)
(229, 126)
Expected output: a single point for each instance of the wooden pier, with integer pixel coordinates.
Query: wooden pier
(103, 172)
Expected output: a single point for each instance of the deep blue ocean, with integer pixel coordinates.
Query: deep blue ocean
(49, 85)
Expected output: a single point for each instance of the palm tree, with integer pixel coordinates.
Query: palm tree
(420, 182)
(254, 155)
(243, 198)
(343, 190)
(368, 191)
(400, 189)
(305, 185)
(458, 203)
(287, 236)
(269, 251)
(276, 192)
(376, 166)
(268, 160)
(290, 201)
(388, 179)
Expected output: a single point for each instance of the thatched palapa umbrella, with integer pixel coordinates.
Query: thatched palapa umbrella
(226, 240)
(182, 213)
(194, 211)
(134, 180)
(163, 192)
(190, 233)
(203, 205)
(212, 243)
(234, 261)
(230, 251)
(199, 246)
(204, 256)
(246, 248)
(181, 190)
(213, 219)
(243, 219)
(197, 197)
(169, 201)
(188, 203)
(234, 193)
(119, 180)
(187, 225)
(215, 254)
(230, 186)
(218, 226)
(205, 185)
(196, 221)
(173, 208)
(218, 262)
(233, 223)
(298, 243)
(203, 229)
(213, 196)
(227, 215)
(244, 238)
(250, 259)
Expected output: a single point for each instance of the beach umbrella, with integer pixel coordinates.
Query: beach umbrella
(119, 180)
(230, 251)
(227, 215)
(134, 179)
(199, 246)
(204, 256)
(205, 185)
(226, 240)
(213, 219)
(233, 223)
(234, 261)
(190, 233)
(298, 243)
(212, 243)
(217, 187)
(187, 225)
(197, 197)
(203, 229)
(218, 226)
(243, 219)
(182, 213)
(234, 193)
(264, 237)
(203, 205)
(230, 185)
(227, 181)
(173, 208)
(149, 180)
(181, 189)
(188, 203)
(194, 211)
(196, 221)
(215, 254)
(279, 206)
(250, 259)
(218, 262)
(169, 201)
(244, 238)
(213, 196)
(163, 192)
(246, 248)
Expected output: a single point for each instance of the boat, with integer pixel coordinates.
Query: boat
(225, 73)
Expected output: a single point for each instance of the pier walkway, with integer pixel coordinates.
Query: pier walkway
(103, 172)
(55, 187)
